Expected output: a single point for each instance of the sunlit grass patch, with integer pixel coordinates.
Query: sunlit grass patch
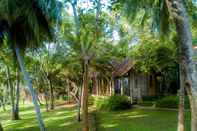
(139, 120)
(59, 119)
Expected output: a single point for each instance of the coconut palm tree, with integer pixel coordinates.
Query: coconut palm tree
(88, 28)
(166, 13)
(25, 24)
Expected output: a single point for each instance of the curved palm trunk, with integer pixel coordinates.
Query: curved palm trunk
(85, 98)
(190, 73)
(31, 90)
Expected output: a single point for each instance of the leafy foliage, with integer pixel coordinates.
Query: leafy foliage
(33, 19)
(114, 103)
(171, 102)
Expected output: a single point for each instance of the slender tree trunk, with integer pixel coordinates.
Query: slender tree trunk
(181, 102)
(16, 108)
(10, 84)
(4, 100)
(85, 98)
(185, 41)
(79, 106)
(97, 87)
(31, 90)
(68, 91)
(51, 95)
(39, 101)
(46, 101)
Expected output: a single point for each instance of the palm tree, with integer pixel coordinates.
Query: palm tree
(33, 20)
(88, 28)
(164, 14)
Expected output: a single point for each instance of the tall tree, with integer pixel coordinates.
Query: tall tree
(33, 20)
(187, 61)
(164, 14)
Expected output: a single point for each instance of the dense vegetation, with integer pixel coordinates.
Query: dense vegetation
(80, 60)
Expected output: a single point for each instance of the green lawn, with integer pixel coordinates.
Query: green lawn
(139, 120)
(62, 119)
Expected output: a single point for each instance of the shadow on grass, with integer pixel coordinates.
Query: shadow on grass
(139, 120)
(59, 119)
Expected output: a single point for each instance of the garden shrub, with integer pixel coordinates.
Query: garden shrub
(168, 102)
(171, 102)
(114, 103)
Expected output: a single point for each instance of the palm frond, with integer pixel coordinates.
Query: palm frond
(29, 22)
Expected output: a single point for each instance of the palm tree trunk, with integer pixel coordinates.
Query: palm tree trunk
(11, 93)
(181, 102)
(185, 41)
(85, 98)
(16, 108)
(31, 90)
(51, 95)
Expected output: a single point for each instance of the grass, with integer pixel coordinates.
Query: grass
(61, 119)
(64, 119)
(139, 120)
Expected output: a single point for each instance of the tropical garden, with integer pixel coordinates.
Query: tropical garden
(98, 65)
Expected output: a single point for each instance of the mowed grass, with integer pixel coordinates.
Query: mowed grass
(64, 119)
(61, 119)
(139, 120)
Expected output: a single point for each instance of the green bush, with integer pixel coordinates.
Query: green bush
(168, 102)
(113, 103)
(171, 102)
